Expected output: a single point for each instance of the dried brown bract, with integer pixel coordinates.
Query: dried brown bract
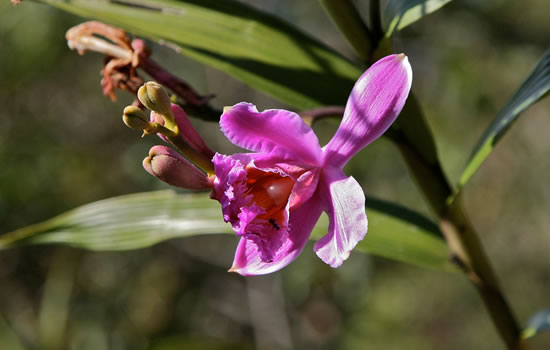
(124, 57)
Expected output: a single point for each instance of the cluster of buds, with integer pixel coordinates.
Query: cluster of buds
(188, 167)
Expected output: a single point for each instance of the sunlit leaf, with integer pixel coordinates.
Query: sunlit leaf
(144, 219)
(538, 323)
(259, 49)
(400, 13)
(533, 89)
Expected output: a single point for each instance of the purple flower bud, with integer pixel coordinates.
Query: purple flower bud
(174, 169)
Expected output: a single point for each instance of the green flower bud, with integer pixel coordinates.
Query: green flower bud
(154, 97)
(134, 118)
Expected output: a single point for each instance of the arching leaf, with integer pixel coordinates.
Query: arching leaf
(144, 219)
(400, 13)
(539, 322)
(532, 90)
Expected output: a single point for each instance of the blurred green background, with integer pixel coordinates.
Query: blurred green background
(62, 144)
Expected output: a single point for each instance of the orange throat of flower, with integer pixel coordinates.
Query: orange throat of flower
(270, 191)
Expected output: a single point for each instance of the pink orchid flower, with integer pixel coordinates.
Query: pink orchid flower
(274, 197)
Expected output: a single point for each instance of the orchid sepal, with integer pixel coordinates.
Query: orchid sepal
(373, 105)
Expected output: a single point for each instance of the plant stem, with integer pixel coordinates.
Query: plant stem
(346, 17)
(310, 116)
(418, 150)
(458, 229)
(414, 140)
(196, 105)
(185, 149)
(464, 244)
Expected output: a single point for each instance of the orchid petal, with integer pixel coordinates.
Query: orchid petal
(172, 168)
(347, 219)
(373, 105)
(229, 184)
(274, 131)
(248, 260)
(305, 187)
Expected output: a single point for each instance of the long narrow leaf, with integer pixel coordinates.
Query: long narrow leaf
(259, 49)
(400, 13)
(532, 90)
(144, 219)
(538, 323)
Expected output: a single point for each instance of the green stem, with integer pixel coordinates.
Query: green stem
(189, 152)
(311, 116)
(428, 177)
(195, 104)
(458, 229)
(346, 17)
(464, 244)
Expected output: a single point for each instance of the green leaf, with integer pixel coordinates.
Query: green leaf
(538, 323)
(533, 89)
(144, 219)
(259, 49)
(400, 13)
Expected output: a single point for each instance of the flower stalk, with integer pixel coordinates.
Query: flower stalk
(466, 249)
(412, 137)
(311, 116)
(465, 242)
(187, 151)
